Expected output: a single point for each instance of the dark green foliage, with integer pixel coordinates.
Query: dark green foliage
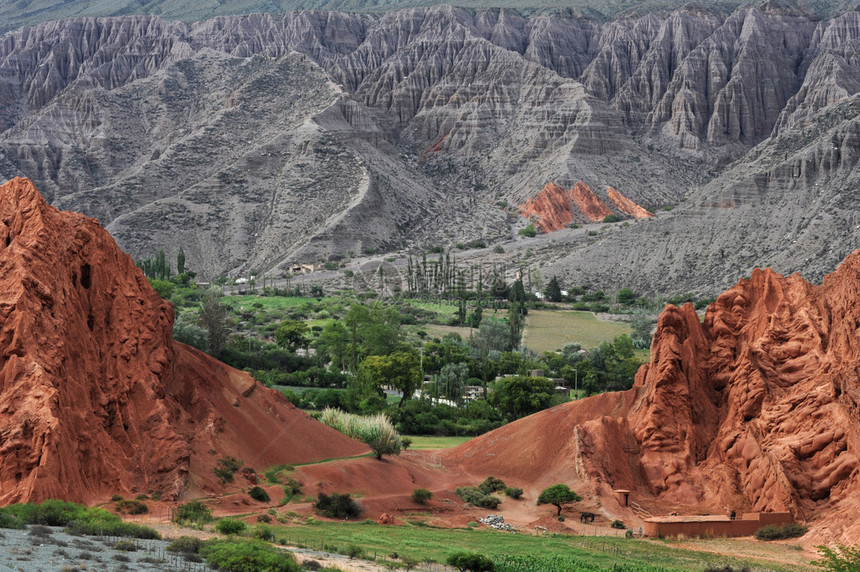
(528, 232)
(163, 287)
(125, 546)
(492, 485)
(259, 494)
(233, 555)
(263, 532)
(337, 506)
(773, 532)
(421, 496)
(76, 518)
(475, 497)
(226, 468)
(193, 512)
(354, 551)
(612, 218)
(553, 290)
(471, 562)
(132, 506)
(157, 268)
(726, 568)
(618, 524)
(514, 492)
(230, 526)
(518, 396)
(839, 558)
(185, 545)
(625, 296)
(558, 495)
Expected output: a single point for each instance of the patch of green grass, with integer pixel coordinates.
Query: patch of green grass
(435, 442)
(441, 307)
(271, 302)
(423, 543)
(550, 330)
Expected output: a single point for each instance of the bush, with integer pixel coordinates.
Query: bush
(839, 558)
(618, 524)
(230, 526)
(337, 506)
(421, 496)
(773, 532)
(354, 551)
(185, 545)
(492, 485)
(612, 218)
(475, 497)
(374, 430)
(125, 546)
(132, 507)
(231, 555)
(259, 494)
(263, 532)
(226, 468)
(193, 512)
(471, 562)
(726, 568)
(514, 492)
(528, 232)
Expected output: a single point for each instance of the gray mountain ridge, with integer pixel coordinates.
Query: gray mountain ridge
(256, 141)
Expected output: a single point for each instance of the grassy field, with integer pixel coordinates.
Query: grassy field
(272, 302)
(549, 330)
(435, 442)
(426, 543)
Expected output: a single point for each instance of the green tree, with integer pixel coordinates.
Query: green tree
(553, 290)
(471, 562)
(451, 381)
(180, 261)
(400, 370)
(641, 325)
(292, 334)
(476, 316)
(625, 296)
(839, 558)
(334, 344)
(373, 330)
(518, 396)
(213, 319)
(558, 495)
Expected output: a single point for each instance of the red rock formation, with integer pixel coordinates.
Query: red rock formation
(95, 397)
(588, 203)
(756, 408)
(625, 205)
(553, 206)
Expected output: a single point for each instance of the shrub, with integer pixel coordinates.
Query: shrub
(528, 232)
(263, 532)
(125, 546)
(230, 526)
(612, 218)
(773, 532)
(421, 496)
(618, 524)
(132, 507)
(354, 551)
(40, 530)
(337, 506)
(232, 555)
(406, 442)
(471, 562)
(374, 430)
(492, 485)
(264, 518)
(839, 558)
(476, 498)
(259, 494)
(514, 492)
(185, 545)
(226, 468)
(726, 568)
(193, 512)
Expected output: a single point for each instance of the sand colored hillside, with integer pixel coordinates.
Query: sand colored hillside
(95, 397)
(757, 408)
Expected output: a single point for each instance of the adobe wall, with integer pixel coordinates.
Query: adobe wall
(744, 526)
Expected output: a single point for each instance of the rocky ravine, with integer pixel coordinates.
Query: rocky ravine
(96, 398)
(756, 408)
(258, 140)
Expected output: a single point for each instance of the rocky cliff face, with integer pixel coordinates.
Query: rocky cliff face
(627, 206)
(257, 140)
(95, 397)
(756, 408)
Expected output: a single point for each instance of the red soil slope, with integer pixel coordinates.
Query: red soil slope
(95, 397)
(588, 203)
(757, 408)
(553, 206)
(625, 205)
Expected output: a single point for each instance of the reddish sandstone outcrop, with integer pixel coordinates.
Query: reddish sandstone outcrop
(588, 203)
(95, 397)
(756, 408)
(625, 205)
(553, 206)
